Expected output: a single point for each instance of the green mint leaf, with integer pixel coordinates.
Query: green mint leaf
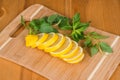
(76, 18)
(88, 42)
(84, 24)
(42, 20)
(34, 26)
(76, 21)
(105, 47)
(66, 27)
(79, 25)
(94, 50)
(76, 25)
(47, 28)
(58, 19)
(98, 36)
(52, 18)
(76, 37)
(81, 36)
(23, 21)
(82, 29)
(65, 24)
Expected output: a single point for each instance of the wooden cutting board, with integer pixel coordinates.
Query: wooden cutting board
(13, 49)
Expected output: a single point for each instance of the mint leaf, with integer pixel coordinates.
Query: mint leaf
(74, 36)
(47, 28)
(52, 18)
(77, 36)
(88, 42)
(67, 27)
(65, 24)
(98, 36)
(94, 50)
(84, 24)
(76, 25)
(105, 47)
(34, 26)
(76, 21)
(76, 18)
(58, 19)
(42, 20)
(82, 29)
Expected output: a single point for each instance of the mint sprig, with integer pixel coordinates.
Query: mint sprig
(92, 40)
(94, 49)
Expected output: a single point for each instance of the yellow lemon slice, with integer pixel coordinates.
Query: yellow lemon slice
(59, 42)
(72, 51)
(78, 60)
(42, 37)
(31, 40)
(52, 37)
(76, 56)
(64, 48)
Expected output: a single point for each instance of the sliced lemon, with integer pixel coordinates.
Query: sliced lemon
(60, 41)
(64, 48)
(76, 55)
(78, 60)
(72, 51)
(31, 40)
(52, 37)
(42, 38)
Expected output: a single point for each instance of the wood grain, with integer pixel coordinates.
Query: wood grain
(14, 67)
(8, 11)
(58, 5)
(116, 74)
(30, 75)
(50, 67)
(9, 70)
(103, 14)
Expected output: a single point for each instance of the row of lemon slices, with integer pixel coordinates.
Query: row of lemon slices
(57, 45)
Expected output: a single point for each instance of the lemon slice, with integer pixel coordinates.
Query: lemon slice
(52, 37)
(59, 42)
(64, 48)
(76, 55)
(72, 51)
(78, 60)
(31, 40)
(41, 38)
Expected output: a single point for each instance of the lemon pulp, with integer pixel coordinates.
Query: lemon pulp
(78, 60)
(76, 55)
(52, 37)
(72, 51)
(59, 42)
(64, 48)
(31, 40)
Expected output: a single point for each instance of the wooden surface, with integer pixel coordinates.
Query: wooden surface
(8, 11)
(7, 68)
(12, 71)
(116, 75)
(50, 67)
(103, 14)
(30, 75)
